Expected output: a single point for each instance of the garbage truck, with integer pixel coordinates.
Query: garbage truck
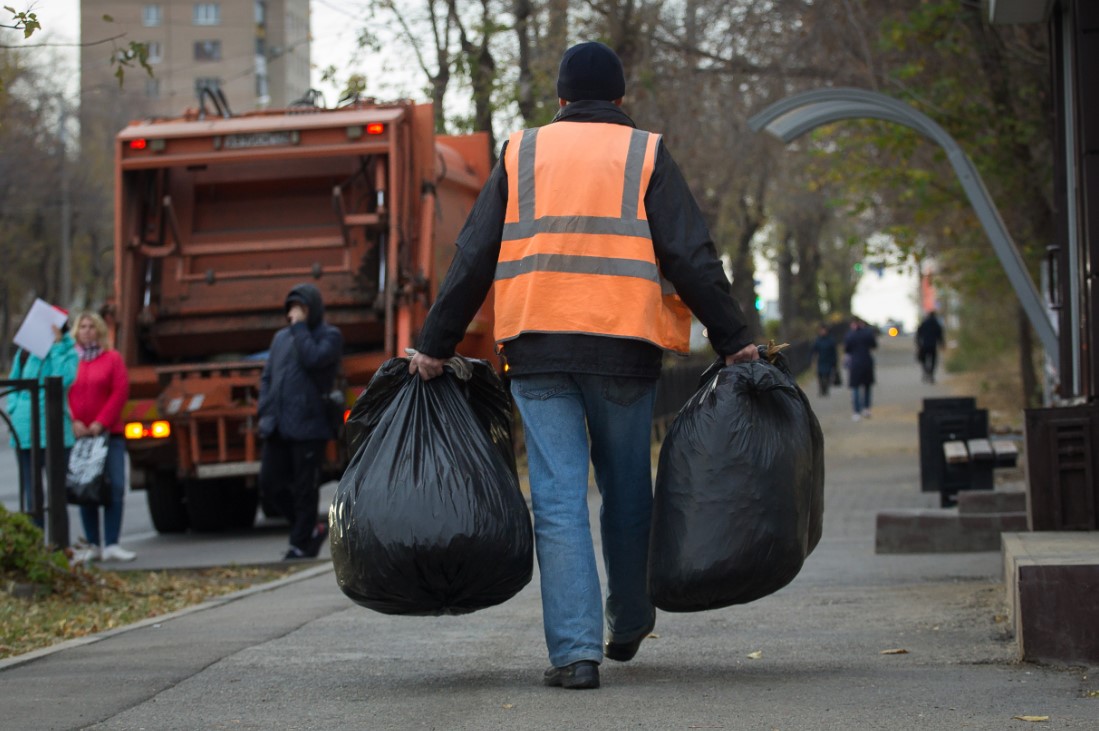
(217, 217)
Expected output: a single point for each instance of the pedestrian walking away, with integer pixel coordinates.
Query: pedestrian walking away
(60, 360)
(96, 400)
(825, 351)
(929, 338)
(599, 254)
(301, 369)
(858, 346)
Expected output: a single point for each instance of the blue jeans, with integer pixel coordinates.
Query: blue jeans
(860, 398)
(112, 516)
(559, 412)
(26, 479)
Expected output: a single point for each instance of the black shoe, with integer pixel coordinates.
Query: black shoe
(294, 554)
(581, 675)
(624, 651)
(317, 539)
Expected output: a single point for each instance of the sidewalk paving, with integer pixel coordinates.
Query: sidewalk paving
(298, 655)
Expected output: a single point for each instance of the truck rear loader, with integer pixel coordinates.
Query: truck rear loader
(216, 218)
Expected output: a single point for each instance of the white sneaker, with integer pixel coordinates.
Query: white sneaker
(866, 413)
(854, 417)
(115, 552)
(85, 554)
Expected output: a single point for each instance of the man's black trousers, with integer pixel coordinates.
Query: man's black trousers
(289, 476)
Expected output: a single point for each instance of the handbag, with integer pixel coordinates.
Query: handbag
(87, 481)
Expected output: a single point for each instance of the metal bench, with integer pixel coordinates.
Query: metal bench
(973, 461)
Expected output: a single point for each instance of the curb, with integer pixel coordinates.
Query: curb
(33, 655)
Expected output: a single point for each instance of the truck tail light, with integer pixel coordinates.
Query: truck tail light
(139, 430)
(140, 143)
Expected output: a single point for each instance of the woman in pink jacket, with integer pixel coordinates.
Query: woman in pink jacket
(96, 399)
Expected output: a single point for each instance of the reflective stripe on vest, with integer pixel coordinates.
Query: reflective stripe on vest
(576, 254)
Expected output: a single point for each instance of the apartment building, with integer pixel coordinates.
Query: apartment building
(255, 51)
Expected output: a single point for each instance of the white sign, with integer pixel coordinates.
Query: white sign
(35, 335)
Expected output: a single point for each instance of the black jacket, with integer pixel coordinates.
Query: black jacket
(929, 335)
(300, 370)
(683, 248)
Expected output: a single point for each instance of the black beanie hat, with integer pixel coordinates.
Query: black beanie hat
(590, 71)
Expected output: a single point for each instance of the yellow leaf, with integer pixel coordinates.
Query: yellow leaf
(896, 651)
(1032, 719)
(756, 655)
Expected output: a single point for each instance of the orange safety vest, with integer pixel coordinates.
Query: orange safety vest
(577, 254)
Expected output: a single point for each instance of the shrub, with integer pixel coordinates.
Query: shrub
(24, 556)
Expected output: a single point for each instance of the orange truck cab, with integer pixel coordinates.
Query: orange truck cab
(216, 219)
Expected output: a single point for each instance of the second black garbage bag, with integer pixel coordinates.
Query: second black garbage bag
(428, 518)
(739, 490)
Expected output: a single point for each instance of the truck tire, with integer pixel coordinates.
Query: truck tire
(165, 498)
(242, 502)
(221, 504)
(206, 505)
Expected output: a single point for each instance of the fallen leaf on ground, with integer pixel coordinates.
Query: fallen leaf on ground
(756, 655)
(1032, 719)
(895, 651)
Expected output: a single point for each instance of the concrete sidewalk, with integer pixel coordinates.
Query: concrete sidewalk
(857, 641)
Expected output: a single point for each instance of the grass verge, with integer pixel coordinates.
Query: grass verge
(90, 601)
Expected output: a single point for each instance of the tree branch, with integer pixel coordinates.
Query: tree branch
(62, 45)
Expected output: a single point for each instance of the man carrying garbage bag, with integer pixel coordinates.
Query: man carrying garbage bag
(585, 227)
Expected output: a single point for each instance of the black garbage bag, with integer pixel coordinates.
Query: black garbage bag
(428, 518)
(739, 490)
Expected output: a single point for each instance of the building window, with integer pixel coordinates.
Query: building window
(207, 50)
(151, 16)
(152, 88)
(156, 53)
(207, 14)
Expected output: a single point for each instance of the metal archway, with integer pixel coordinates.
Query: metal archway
(796, 115)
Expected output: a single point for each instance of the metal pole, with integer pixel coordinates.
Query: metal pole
(34, 507)
(56, 467)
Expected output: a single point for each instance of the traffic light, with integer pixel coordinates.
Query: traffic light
(857, 267)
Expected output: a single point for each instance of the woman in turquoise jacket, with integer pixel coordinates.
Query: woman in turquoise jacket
(61, 360)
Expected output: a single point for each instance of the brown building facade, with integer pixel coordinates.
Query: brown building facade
(255, 51)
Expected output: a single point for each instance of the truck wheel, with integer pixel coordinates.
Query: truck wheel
(165, 498)
(206, 505)
(240, 508)
(223, 504)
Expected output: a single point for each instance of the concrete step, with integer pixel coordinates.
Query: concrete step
(991, 501)
(942, 530)
(1052, 582)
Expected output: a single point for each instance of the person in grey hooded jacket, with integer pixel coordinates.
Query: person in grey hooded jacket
(293, 417)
